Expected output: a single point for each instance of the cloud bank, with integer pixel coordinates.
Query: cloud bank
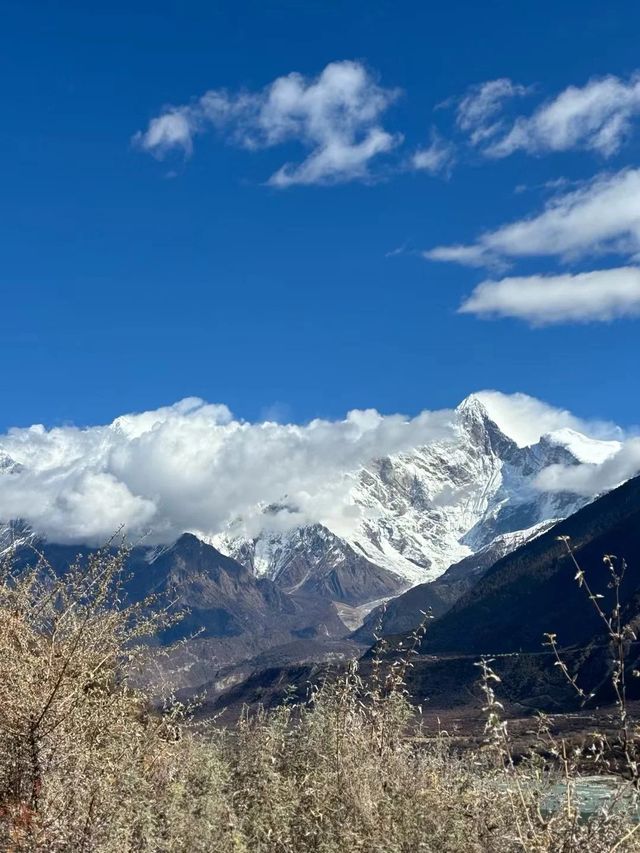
(194, 467)
(540, 300)
(336, 116)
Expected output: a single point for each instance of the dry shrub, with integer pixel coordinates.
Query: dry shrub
(87, 763)
(347, 773)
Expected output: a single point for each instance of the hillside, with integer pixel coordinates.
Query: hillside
(532, 590)
(230, 616)
(403, 613)
(510, 606)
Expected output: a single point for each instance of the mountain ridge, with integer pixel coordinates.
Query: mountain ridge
(424, 510)
(416, 513)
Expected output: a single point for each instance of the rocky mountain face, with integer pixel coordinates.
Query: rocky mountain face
(7, 464)
(13, 535)
(312, 559)
(229, 615)
(403, 613)
(420, 512)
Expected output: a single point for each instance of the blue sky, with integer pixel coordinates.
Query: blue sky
(134, 275)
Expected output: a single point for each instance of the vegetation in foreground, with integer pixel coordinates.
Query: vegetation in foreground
(89, 763)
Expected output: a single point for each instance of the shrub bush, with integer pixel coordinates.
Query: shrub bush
(88, 762)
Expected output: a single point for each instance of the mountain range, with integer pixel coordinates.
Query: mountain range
(430, 525)
(422, 511)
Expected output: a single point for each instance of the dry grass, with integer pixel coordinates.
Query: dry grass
(86, 765)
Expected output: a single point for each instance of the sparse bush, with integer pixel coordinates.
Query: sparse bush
(88, 763)
(85, 763)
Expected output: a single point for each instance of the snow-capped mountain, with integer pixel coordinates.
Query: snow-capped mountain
(313, 559)
(459, 502)
(410, 515)
(422, 511)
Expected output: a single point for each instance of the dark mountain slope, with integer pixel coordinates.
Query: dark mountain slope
(234, 614)
(520, 597)
(532, 590)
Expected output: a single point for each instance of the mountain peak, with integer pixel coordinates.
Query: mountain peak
(475, 419)
(472, 406)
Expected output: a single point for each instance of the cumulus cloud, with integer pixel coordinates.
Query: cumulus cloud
(541, 300)
(335, 116)
(603, 216)
(173, 129)
(526, 419)
(194, 467)
(437, 159)
(596, 117)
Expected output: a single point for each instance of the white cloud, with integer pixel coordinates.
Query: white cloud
(438, 158)
(336, 116)
(596, 117)
(173, 129)
(469, 256)
(525, 419)
(592, 479)
(478, 110)
(600, 295)
(603, 216)
(192, 466)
